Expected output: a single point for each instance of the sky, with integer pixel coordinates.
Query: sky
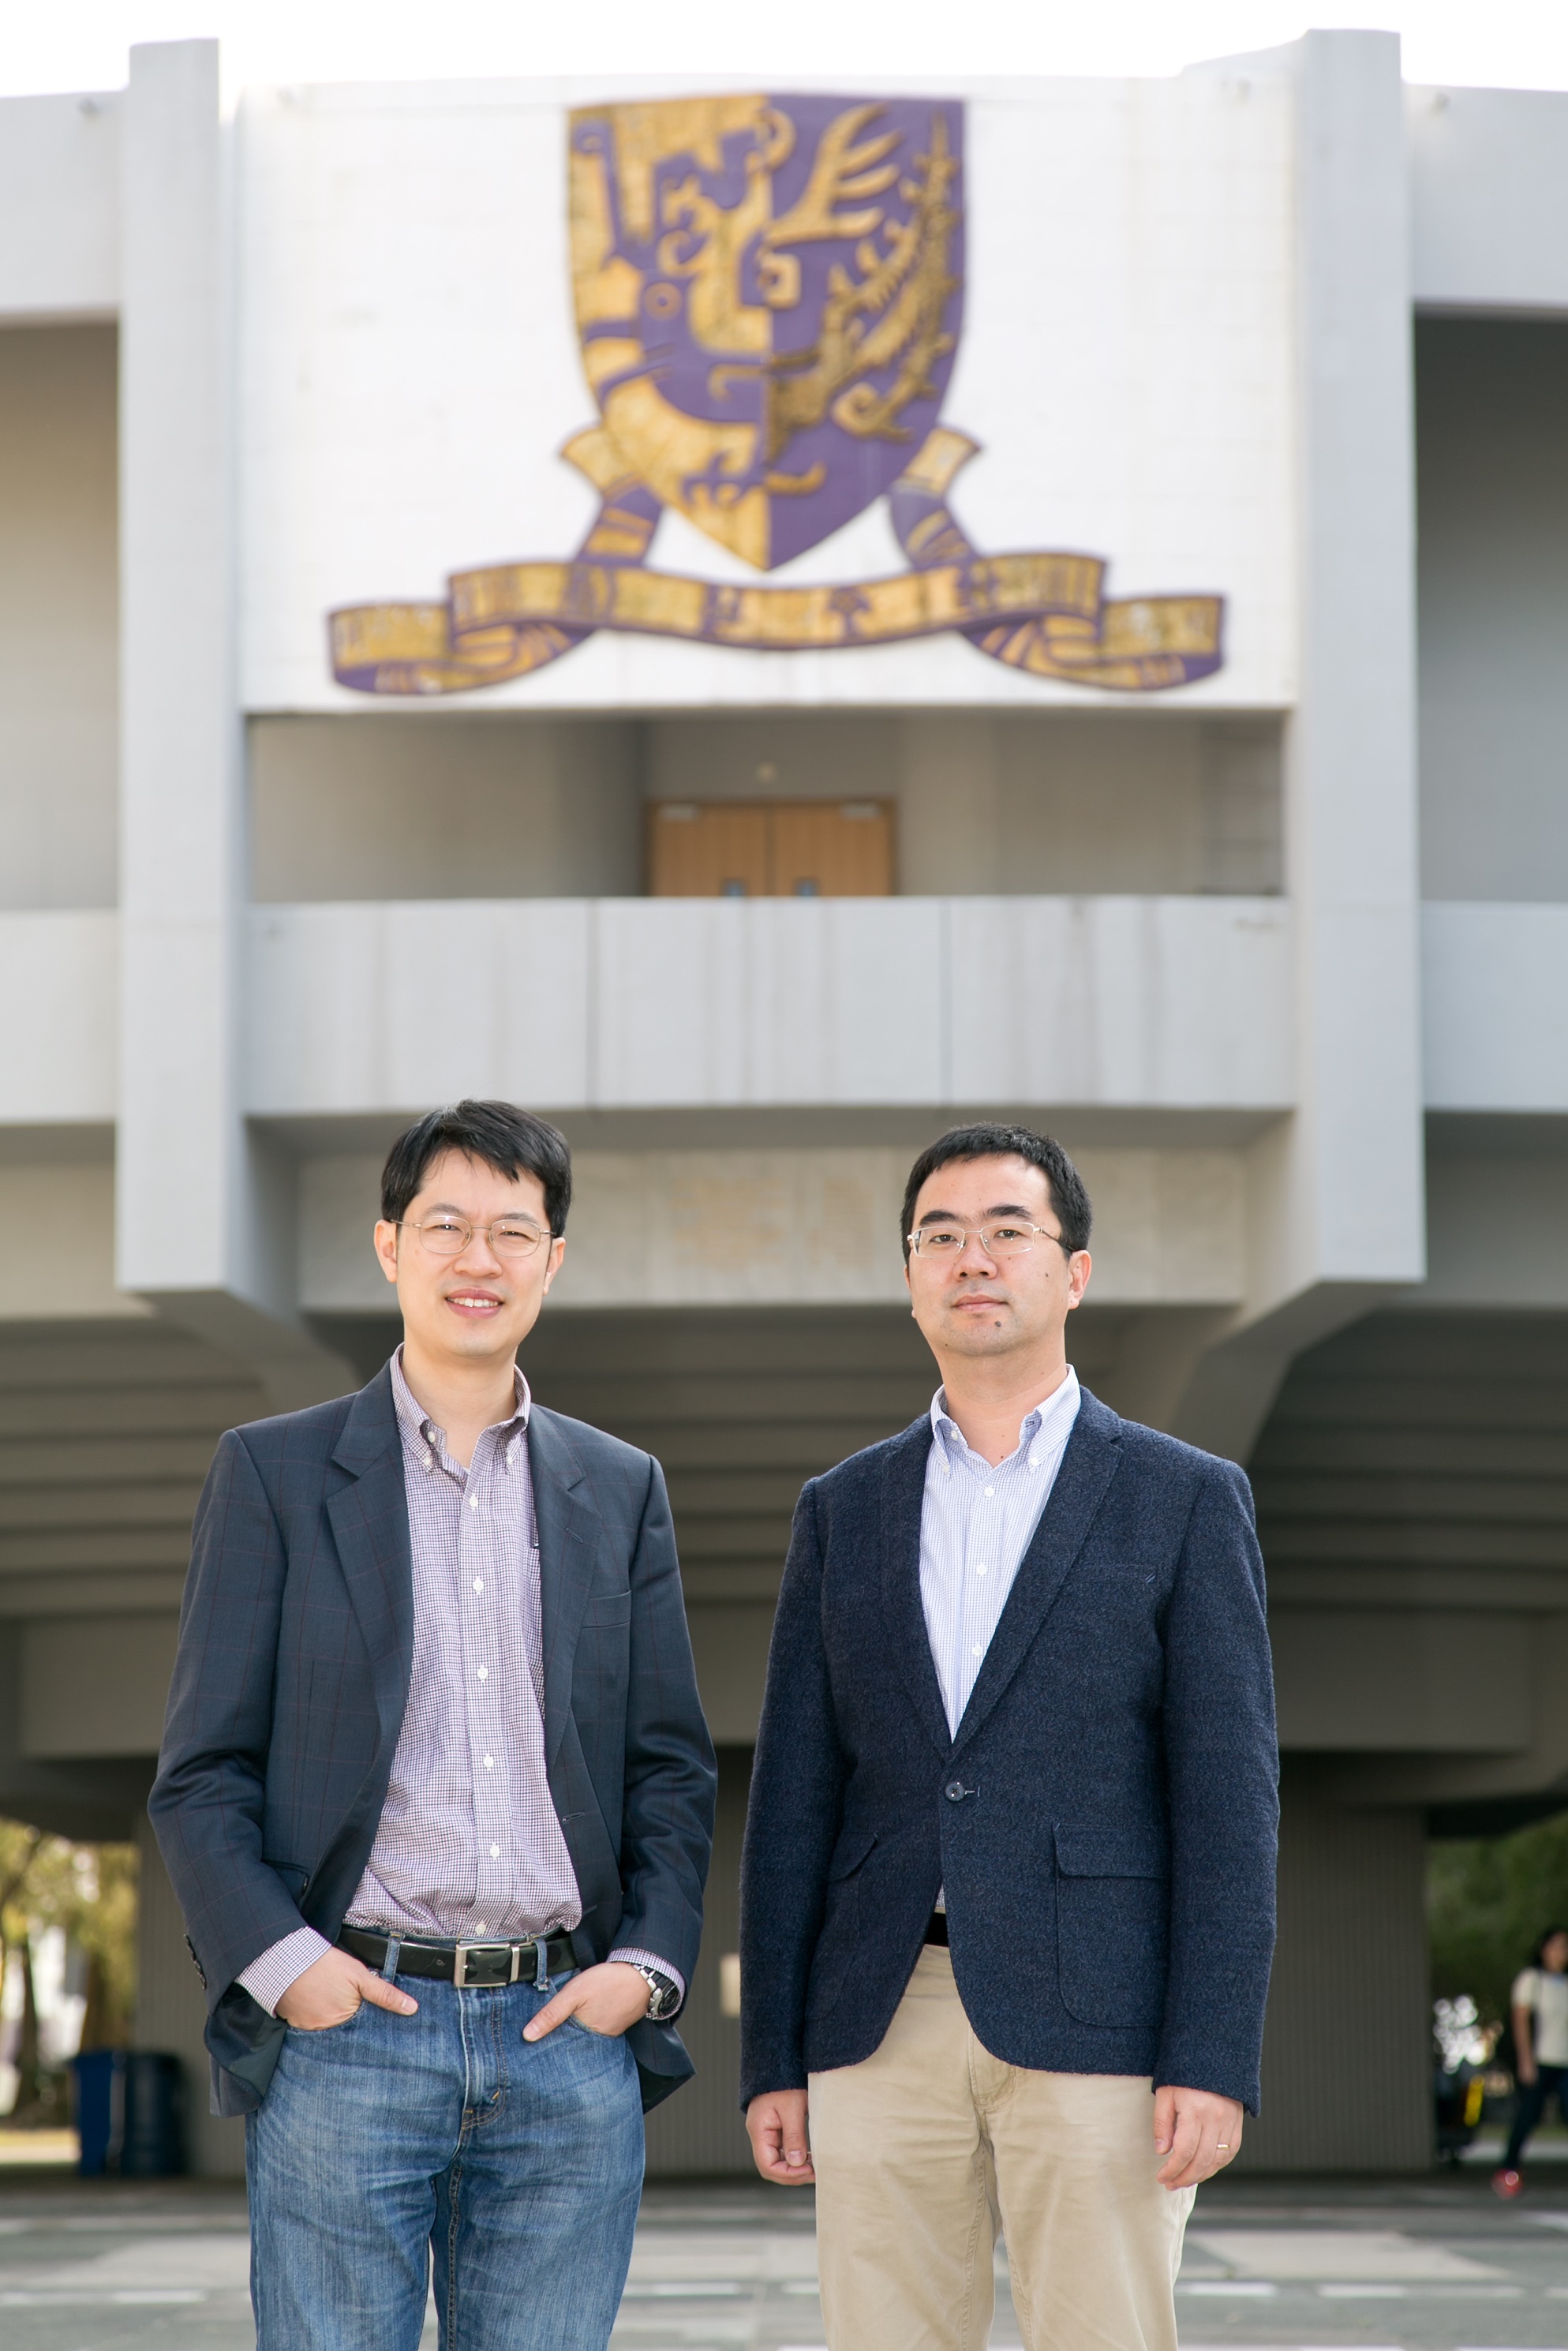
(1507, 44)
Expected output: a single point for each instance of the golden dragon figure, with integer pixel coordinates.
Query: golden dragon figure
(892, 311)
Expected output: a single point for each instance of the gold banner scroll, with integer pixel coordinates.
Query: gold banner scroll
(1042, 612)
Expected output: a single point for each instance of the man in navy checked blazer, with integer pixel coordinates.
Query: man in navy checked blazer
(1007, 1901)
(436, 1796)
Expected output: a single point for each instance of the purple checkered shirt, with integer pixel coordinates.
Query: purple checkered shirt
(468, 1847)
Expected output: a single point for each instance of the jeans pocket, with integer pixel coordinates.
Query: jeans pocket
(328, 2031)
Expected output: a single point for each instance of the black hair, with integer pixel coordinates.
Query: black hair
(497, 1133)
(1068, 1197)
(1541, 1942)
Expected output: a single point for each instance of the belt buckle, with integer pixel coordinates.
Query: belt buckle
(460, 1963)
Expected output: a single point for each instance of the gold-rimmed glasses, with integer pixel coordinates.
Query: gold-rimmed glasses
(446, 1235)
(1004, 1236)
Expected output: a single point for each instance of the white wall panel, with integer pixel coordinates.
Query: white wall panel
(1157, 1000)
(371, 1006)
(777, 1000)
(1496, 1007)
(58, 978)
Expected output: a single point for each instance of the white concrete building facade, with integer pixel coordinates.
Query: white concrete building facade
(1277, 946)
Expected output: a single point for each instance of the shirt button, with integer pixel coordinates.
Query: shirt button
(473, 1502)
(484, 1673)
(980, 1570)
(978, 1650)
(990, 1491)
(478, 1583)
(478, 1925)
(489, 1762)
(495, 1853)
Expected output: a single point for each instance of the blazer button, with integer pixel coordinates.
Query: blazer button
(953, 1791)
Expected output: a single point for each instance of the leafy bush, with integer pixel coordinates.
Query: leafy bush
(1489, 1900)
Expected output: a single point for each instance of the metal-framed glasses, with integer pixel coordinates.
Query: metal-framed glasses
(1005, 1237)
(449, 1236)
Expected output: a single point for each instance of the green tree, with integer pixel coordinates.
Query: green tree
(90, 1892)
(1489, 1900)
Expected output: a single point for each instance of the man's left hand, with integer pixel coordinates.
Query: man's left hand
(1198, 2132)
(607, 1998)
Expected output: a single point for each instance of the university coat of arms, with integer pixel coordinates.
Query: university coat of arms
(769, 292)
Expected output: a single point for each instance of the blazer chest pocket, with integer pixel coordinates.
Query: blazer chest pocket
(1112, 1929)
(606, 1612)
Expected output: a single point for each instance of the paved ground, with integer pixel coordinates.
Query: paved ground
(1423, 2265)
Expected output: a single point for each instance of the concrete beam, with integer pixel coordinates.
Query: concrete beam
(1495, 987)
(60, 208)
(794, 1227)
(95, 1685)
(1488, 189)
(1402, 1681)
(1177, 1003)
(59, 1063)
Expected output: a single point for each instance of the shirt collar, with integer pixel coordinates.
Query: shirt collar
(422, 1433)
(1042, 1430)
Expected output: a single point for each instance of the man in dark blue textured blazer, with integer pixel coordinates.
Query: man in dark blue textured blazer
(436, 1796)
(1007, 1895)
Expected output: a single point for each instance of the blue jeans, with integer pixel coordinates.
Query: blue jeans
(390, 2141)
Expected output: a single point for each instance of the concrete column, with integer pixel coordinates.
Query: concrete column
(170, 2011)
(1347, 2050)
(1337, 1189)
(699, 2132)
(203, 1211)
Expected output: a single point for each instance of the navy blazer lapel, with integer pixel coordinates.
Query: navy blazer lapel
(1087, 1465)
(568, 1528)
(903, 1496)
(369, 1519)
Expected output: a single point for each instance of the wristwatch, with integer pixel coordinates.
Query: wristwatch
(664, 1992)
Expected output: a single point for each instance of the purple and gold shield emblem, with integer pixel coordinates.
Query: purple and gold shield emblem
(768, 295)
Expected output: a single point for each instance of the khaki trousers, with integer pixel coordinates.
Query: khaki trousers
(923, 2150)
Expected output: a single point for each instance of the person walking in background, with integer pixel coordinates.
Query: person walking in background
(436, 1796)
(1539, 2003)
(1007, 1889)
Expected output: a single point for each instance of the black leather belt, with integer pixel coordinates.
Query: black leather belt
(469, 1966)
(936, 1928)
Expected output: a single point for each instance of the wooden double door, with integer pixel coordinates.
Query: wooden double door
(770, 849)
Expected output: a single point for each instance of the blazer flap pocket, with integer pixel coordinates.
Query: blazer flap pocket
(608, 1608)
(294, 1874)
(849, 1852)
(1110, 1853)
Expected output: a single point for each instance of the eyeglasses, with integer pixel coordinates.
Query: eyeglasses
(509, 1236)
(1005, 1238)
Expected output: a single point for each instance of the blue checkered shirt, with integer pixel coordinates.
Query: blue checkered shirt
(468, 1847)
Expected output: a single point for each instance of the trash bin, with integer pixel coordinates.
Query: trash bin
(130, 2112)
(99, 2077)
